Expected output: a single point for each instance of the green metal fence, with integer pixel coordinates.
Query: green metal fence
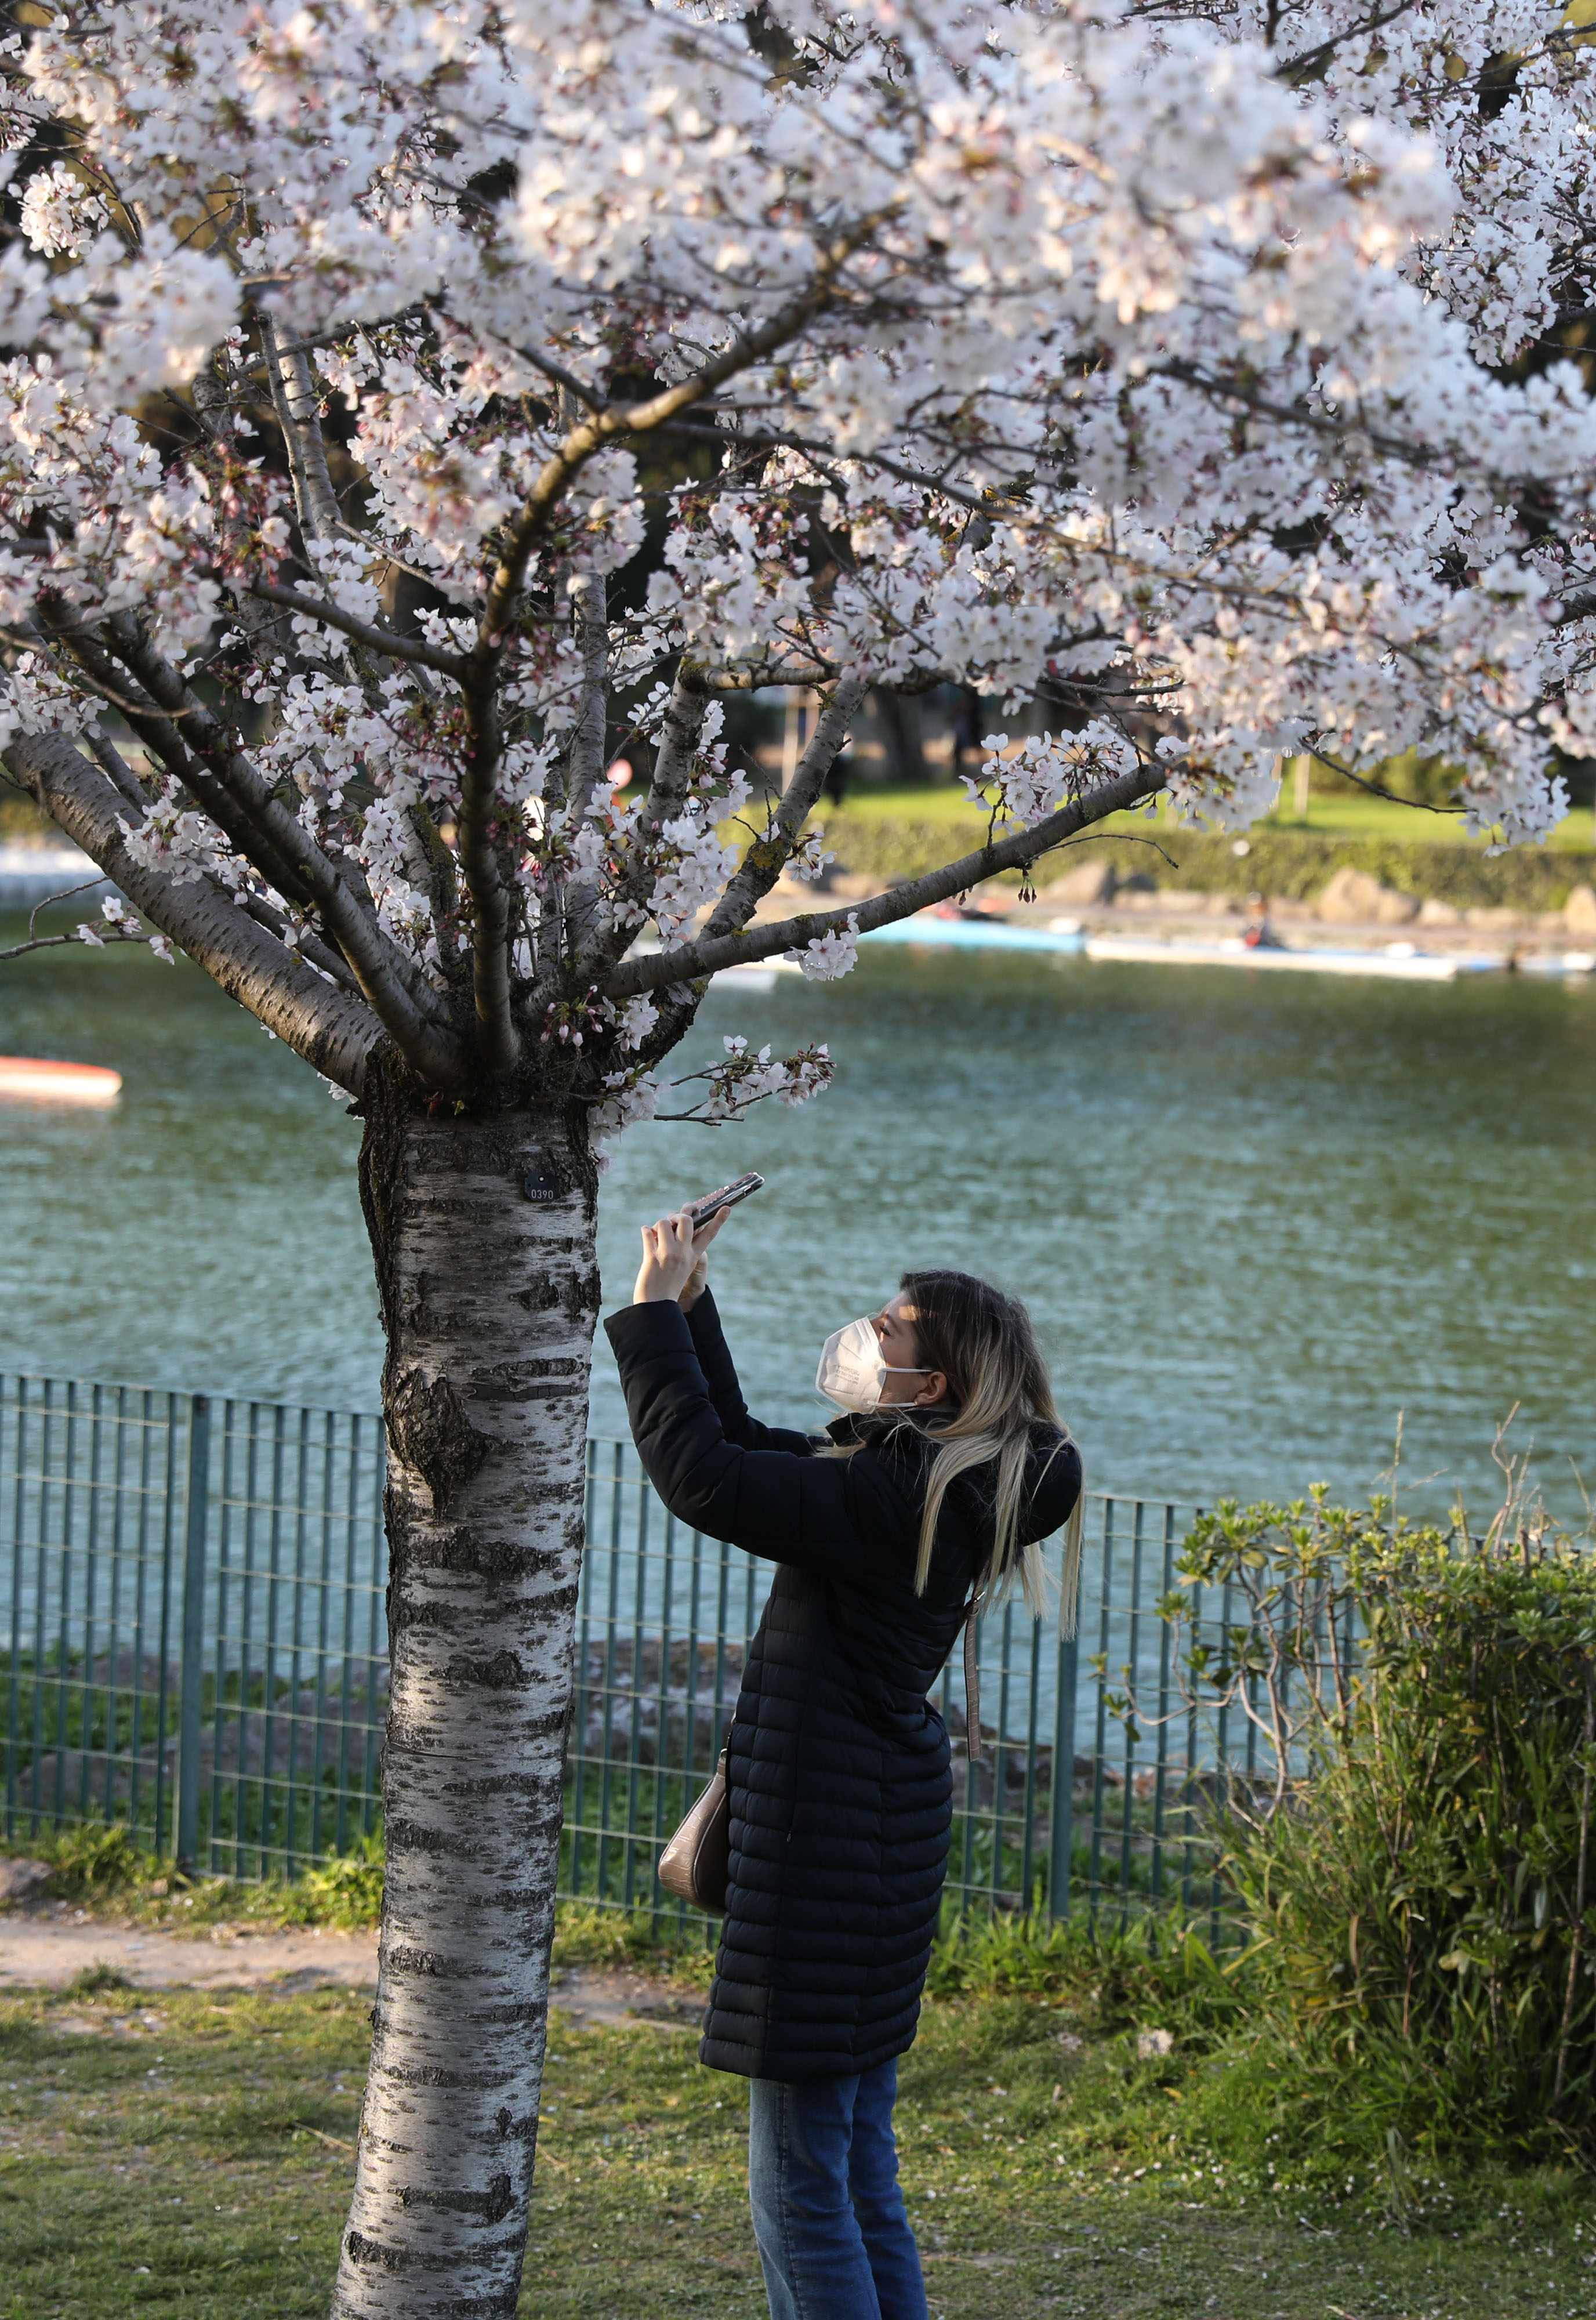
(191, 1602)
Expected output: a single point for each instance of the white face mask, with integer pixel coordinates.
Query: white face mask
(851, 1371)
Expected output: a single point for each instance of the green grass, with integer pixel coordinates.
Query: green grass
(1337, 814)
(1348, 815)
(186, 2154)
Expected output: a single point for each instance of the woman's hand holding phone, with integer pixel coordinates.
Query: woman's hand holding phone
(676, 1259)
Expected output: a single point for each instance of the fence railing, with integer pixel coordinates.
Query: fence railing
(191, 1600)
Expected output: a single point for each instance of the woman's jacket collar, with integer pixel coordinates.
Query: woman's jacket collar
(872, 1428)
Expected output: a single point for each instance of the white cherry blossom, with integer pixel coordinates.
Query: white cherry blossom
(832, 954)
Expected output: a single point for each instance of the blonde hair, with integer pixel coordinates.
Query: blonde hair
(984, 1345)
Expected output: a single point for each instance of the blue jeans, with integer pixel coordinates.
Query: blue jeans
(834, 2237)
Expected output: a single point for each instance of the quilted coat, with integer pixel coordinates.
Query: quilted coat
(840, 1783)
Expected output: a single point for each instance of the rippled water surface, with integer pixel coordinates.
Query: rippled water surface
(1255, 1218)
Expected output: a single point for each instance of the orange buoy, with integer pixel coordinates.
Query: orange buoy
(36, 1081)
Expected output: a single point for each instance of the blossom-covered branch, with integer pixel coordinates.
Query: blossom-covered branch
(689, 961)
(374, 639)
(1150, 366)
(769, 856)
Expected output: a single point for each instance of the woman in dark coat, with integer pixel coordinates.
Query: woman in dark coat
(935, 1488)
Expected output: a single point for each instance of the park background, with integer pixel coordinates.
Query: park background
(1258, 1219)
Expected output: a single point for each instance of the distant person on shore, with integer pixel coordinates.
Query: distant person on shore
(839, 774)
(966, 725)
(1260, 935)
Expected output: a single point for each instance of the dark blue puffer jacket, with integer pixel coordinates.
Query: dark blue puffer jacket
(841, 1789)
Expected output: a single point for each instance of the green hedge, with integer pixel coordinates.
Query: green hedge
(1293, 865)
(21, 821)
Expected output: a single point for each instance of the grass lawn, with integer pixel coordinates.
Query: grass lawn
(1346, 815)
(1350, 816)
(189, 2153)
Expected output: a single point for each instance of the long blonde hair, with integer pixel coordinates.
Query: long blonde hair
(984, 1345)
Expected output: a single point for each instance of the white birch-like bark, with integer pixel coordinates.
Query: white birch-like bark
(484, 1233)
(333, 1029)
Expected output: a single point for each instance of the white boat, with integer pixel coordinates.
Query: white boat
(31, 1079)
(1399, 962)
(33, 873)
(759, 976)
(980, 934)
(1557, 962)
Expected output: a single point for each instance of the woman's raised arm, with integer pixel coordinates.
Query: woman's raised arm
(784, 1503)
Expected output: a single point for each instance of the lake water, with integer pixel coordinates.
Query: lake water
(1255, 1219)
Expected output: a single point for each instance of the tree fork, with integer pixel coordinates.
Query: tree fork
(483, 1231)
(333, 1029)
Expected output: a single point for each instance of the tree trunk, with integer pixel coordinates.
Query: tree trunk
(483, 1234)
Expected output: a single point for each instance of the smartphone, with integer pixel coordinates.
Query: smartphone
(728, 1197)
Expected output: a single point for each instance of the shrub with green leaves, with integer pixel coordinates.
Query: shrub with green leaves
(94, 1861)
(347, 1891)
(1418, 1876)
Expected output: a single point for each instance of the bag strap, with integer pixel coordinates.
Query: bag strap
(972, 1748)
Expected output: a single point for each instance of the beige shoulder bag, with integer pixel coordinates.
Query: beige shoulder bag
(695, 1863)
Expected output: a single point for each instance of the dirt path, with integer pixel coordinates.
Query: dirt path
(47, 1944)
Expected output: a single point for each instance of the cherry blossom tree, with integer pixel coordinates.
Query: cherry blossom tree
(401, 400)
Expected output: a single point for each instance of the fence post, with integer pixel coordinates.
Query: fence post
(191, 1680)
(1062, 1833)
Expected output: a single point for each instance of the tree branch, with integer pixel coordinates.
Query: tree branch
(479, 869)
(378, 640)
(294, 400)
(478, 681)
(329, 1028)
(211, 394)
(687, 963)
(781, 439)
(585, 757)
(53, 942)
(672, 768)
(160, 735)
(617, 419)
(65, 896)
(768, 856)
(305, 945)
(113, 763)
(414, 1013)
(575, 388)
(1290, 414)
(816, 675)
(1377, 789)
(1298, 70)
